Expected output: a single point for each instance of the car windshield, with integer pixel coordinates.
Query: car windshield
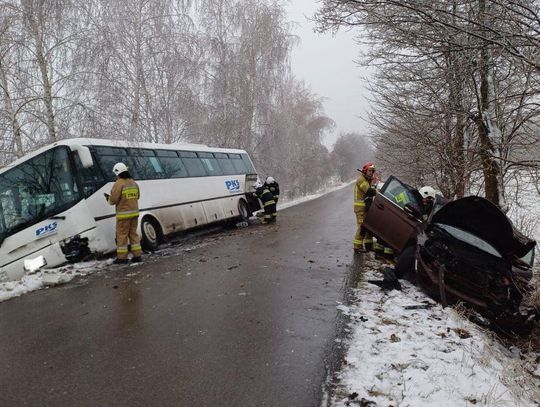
(469, 238)
(35, 190)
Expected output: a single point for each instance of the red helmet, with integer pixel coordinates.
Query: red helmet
(368, 166)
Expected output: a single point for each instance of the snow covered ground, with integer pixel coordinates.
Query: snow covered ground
(406, 350)
(403, 348)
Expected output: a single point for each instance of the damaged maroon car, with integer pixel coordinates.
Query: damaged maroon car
(463, 250)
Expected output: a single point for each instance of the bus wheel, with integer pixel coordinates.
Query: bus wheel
(243, 210)
(150, 234)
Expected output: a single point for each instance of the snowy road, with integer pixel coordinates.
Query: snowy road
(246, 319)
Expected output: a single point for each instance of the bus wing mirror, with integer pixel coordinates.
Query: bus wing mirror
(85, 155)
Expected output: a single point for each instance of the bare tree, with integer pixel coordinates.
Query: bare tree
(456, 59)
(351, 150)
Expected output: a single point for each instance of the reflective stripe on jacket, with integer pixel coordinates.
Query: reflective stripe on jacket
(125, 196)
(266, 197)
(360, 189)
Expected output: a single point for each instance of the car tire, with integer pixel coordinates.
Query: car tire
(405, 263)
(151, 234)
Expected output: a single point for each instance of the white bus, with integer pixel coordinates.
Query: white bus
(52, 203)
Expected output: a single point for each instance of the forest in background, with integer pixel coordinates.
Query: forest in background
(215, 72)
(455, 97)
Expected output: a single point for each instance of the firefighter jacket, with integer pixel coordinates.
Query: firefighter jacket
(125, 196)
(266, 197)
(274, 188)
(362, 189)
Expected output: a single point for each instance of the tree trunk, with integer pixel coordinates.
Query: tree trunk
(15, 125)
(41, 60)
(488, 130)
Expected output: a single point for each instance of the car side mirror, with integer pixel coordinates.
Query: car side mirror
(412, 211)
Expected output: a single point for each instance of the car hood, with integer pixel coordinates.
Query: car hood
(482, 218)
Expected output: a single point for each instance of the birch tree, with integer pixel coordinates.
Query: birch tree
(12, 144)
(248, 46)
(145, 61)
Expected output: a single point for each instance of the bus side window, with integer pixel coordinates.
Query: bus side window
(210, 163)
(148, 166)
(171, 163)
(194, 166)
(225, 163)
(107, 157)
(91, 178)
(238, 163)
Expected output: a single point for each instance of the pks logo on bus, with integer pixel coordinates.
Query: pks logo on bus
(233, 185)
(47, 229)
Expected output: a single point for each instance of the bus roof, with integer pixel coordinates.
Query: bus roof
(73, 142)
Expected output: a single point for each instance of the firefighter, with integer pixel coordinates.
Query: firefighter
(267, 198)
(273, 186)
(428, 200)
(125, 195)
(363, 241)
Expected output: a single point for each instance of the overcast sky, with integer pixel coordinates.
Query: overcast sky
(325, 63)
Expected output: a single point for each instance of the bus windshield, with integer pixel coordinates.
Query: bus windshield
(36, 189)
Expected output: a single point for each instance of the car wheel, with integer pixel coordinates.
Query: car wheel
(243, 210)
(151, 234)
(405, 263)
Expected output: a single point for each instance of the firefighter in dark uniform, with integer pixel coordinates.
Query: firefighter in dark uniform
(267, 198)
(363, 241)
(273, 186)
(125, 196)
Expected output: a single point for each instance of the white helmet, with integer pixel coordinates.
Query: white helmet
(258, 184)
(270, 180)
(427, 192)
(119, 168)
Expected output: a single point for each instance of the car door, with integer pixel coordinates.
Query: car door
(387, 217)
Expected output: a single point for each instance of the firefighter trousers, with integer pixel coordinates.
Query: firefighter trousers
(270, 213)
(362, 238)
(127, 238)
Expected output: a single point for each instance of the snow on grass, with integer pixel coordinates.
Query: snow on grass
(44, 278)
(424, 357)
(64, 274)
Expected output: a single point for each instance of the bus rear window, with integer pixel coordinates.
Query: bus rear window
(249, 166)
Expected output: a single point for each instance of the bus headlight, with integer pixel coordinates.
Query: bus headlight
(32, 265)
